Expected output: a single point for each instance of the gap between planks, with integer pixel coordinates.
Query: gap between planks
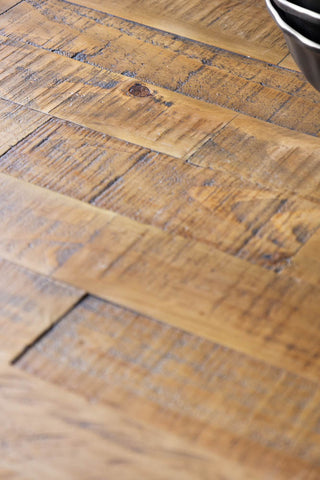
(250, 87)
(157, 18)
(181, 282)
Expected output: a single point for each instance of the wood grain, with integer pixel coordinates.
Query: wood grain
(185, 283)
(182, 383)
(72, 160)
(40, 235)
(162, 120)
(29, 305)
(288, 62)
(16, 123)
(306, 264)
(266, 226)
(266, 155)
(244, 28)
(100, 441)
(6, 5)
(242, 84)
(202, 291)
(159, 244)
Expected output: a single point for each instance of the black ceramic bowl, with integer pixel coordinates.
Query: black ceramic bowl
(305, 52)
(313, 5)
(304, 21)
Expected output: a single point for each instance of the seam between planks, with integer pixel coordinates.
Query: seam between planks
(47, 331)
(197, 37)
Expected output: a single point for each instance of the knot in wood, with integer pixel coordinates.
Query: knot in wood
(139, 90)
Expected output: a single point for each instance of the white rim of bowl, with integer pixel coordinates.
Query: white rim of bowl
(291, 7)
(284, 26)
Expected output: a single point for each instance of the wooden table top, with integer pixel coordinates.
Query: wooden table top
(159, 244)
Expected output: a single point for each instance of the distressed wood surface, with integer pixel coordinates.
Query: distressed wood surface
(107, 102)
(29, 304)
(100, 440)
(185, 283)
(5, 5)
(307, 263)
(244, 27)
(159, 244)
(177, 196)
(186, 384)
(16, 123)
(252, 87)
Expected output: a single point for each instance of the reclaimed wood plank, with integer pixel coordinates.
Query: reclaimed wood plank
(7, 4)
(182, 383)
(100, 440)
(289, 63)
(264, 154)
(72, 160)
(29, 305)
(41, 238)
(244, 28)
(263, 225)
(245, 85)
(185, 283)
(17, 122)
(105, 101)
(244, 407)
(307, 262)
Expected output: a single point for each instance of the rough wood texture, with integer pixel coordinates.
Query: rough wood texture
(7, 4)
(306, 264)
(73, 160)
(200, 71)
(99, 441)
(202, 289)
(29, 305)
(269, 156)
(16, 123)
(242, 27)
(106, 102)
(159, 244)
(176, 196)
(186, 383)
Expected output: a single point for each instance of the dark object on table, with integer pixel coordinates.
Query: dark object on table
(305, 51)
(309, 4)
(306, 22)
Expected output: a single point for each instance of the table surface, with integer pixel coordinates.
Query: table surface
(159, 244)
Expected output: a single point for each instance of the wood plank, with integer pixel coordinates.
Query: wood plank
(242, 218)
(288, 62)
(244, 28)
(307, 262)
(45, 427)
(40, 237)
(182, 383)
(185, 283)
(263, 225)
(29, 305)
(105, 101)
(17, 122)
(199, 71)
(72, 160)
(263, 154)
(7, 4)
